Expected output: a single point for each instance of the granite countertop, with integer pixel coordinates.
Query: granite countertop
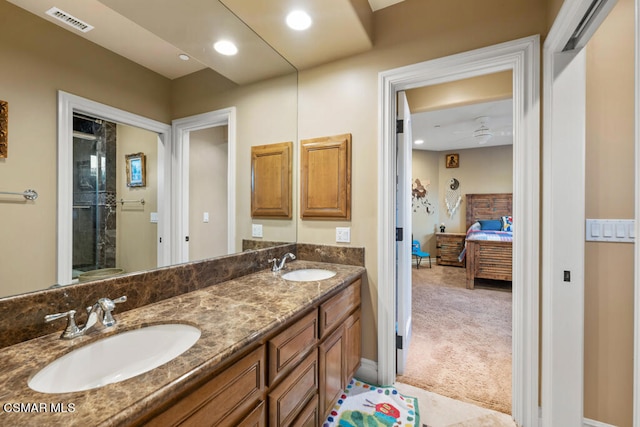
(231, 315)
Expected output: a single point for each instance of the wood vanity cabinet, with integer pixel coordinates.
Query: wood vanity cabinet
(293, 379)
(340, 351)
(231, 398)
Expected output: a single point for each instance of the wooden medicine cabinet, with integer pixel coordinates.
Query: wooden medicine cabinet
(271, 180)
(325, 178)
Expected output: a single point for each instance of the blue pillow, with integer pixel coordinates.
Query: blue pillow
(491, 224)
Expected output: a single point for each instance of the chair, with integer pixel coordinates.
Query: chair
(417, 252)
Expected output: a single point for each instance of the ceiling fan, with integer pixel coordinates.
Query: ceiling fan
(482, 134)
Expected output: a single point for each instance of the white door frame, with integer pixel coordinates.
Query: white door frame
(564, 89)
(181, 130)
(523, 58)
(67, 104)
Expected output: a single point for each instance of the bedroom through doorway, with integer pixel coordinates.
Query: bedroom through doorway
(462, 179)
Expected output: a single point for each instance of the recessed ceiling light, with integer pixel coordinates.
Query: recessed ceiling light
(184, 57)
(418, 141)
(225, 47)
(298, 20)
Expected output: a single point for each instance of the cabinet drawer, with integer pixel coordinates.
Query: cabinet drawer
(292, 345)
(335, 310)
(223, 400)
(309, 415)
(290, 397)
(257, 417)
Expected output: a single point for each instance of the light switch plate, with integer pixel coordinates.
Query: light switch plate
(610, 230)
(256, 230)
(205, 217)
(154, 217)
(343, 234)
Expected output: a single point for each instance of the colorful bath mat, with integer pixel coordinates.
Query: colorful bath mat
(365, 405)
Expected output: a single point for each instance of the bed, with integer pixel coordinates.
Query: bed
(488, 254)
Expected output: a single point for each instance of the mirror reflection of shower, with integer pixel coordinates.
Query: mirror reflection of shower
(94, 194)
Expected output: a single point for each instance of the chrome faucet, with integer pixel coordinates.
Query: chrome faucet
(280, 265)
(100, 311)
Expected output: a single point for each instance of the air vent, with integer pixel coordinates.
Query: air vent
(70, 20)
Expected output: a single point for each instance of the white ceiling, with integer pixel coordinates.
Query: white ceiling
(453, 128)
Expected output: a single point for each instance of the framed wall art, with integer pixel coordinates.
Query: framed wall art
(136, 170)
(452, 160)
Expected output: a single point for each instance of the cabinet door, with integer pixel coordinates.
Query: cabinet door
(332, 370)
(353, 345)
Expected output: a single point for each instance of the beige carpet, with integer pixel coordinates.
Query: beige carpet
(461, 341)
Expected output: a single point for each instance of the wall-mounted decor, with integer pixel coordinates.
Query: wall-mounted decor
(453, 197)
(271, 188)
(4, 129)
(136, 170)
(419, 197)
(452, 160)
(325, 178)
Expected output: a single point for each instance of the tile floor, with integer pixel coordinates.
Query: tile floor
(440, 411)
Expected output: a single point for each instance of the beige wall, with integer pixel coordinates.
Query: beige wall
(35, 65)
(335, 98)
(136, 235)
(266, 114)
(208, 151)
(474, 90)
(482, 170)
(425, 166)
(342, 97)
(610, 194)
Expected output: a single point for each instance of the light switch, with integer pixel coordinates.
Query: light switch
(154, 217)
(256, 230)
(343, 234)
(205, 217)
(610, 230)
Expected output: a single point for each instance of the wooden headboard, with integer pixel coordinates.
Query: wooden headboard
(488, 206)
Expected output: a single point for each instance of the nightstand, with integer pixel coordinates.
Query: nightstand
(449, 246)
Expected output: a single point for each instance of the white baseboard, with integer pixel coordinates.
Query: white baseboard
(368, 371)
(592, 423)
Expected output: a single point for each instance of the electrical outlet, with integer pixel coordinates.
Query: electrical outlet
(343, 234)
(256, 230)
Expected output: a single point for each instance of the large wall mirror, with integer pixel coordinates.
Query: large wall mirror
(89, 217)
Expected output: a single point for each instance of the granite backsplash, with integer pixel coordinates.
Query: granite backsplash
(22, 316)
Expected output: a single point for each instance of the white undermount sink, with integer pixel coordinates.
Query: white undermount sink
(115, 358)
(308, 275)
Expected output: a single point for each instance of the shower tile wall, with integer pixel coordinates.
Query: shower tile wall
(94, 196)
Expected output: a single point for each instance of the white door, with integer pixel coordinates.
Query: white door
(403, 222)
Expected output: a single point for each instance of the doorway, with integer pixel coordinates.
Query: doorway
(461, 343)
(220, 126)
(522, 57)
(68, 105)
